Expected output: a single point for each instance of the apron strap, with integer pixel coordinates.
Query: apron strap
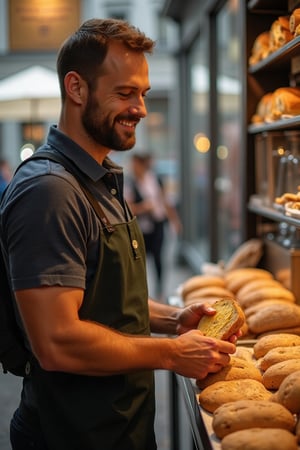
(67, 164)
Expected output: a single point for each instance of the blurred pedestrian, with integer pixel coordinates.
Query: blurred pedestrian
(5, 174)
(147, 199)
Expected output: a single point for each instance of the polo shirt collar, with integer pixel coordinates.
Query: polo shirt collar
(83, 160)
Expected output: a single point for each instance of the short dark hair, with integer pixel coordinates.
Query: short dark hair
(85, 50)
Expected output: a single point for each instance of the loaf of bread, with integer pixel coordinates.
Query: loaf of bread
(247, 254)
(290, 330)
(294, 20)
(228, 319)
(253, 285)
(275, 374)
(266, 343)
(266, 293)
(280, 33)
(260, 48)
(222, 392)
(244, 414)
(260, 439)
(288, 393)
(263, 111)
(285, 101)
(237, 369)
(235, 279)
(257, 306)
(200, 281)
(207, 292)
(279, 354)
(274, 317)
(245, 353)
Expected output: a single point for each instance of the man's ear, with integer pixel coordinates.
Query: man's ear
(75, 87)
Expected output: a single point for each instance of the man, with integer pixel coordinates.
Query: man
(80, 282)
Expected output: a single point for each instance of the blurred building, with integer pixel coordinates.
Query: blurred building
(31, 32)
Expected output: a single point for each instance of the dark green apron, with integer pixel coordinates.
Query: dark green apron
(115, 412)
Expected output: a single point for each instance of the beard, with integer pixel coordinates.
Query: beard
(100, 129)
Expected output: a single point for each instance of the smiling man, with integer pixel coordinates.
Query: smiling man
(78, 275)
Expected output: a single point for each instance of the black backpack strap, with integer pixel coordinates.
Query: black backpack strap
(67, 164)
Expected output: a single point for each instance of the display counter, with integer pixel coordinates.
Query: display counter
(199, 420)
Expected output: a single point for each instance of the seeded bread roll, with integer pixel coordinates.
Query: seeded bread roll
(279, 354)
(274, 317)
(227, 320)
(244, 414)
(266, 343)
(274, 375)
(222, 392)
(260, 439)
(288, 393)
(237, 369)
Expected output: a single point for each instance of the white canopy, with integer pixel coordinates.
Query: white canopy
(30, 95)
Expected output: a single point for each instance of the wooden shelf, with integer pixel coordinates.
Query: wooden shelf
(279, 59)
(288, 124)
(267, 7)
(272, 214)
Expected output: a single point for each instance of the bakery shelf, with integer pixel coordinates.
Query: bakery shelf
(278, 59)
(290, 123)
(272, 214)
(266, 6)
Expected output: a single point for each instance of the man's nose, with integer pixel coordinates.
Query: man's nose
(138, 108)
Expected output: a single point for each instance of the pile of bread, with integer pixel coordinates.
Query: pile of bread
(283, 103)
(282, 31)
(254, 402)
(268, 305)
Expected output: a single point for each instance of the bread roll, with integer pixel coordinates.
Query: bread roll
(294, 20)
(279, 354)
(257, 306)
(290, 330)
(286, 101)
(275, 374)
(245, 353)
(209, 291)
(227, 320)
(288, 393)
(280, 33)
(235, 279)
(237, 369)
(260, 48)
(260, 439)
(266, 343)
(247, 254)
(199, 281)
(244, 414)
(266, 293)
(274, 317)
(222, 392)
(253, 285)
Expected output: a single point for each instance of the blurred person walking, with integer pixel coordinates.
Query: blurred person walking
(147, 199)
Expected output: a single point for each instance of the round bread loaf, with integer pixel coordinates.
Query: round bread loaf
(237, 369)
(247, 254)
(222, 392)
(244, 414)
(279, 354)
(288, 393)
(209, 291)
(260, 439)
(266, 343)
(253, 285)
(228, 319)
(199, 281)
(266, 293)
(274, 317)
(237, 278)
(257, 306)
(274, 375)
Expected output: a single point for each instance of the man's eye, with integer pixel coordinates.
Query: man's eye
(124, 94)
